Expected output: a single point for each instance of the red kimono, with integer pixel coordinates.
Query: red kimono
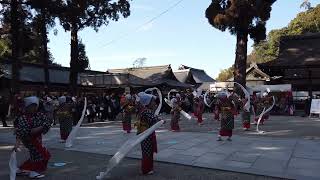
(199, 110)
(149, 145)
(39, 155)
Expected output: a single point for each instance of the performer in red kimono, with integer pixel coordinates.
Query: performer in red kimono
(128, 110)
(216, 112)
(245, 115)
(147, 119)
(226, 104)
(199, 104)
(175, 114)
(263, 101)
(29, 128)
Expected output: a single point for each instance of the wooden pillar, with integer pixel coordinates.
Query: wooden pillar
(310, 83)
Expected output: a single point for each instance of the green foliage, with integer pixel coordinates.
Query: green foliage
(83, 58)
(75, 15)
(91, 13)
(305, 22)
(5, 50)
(268, 50)
(30, 34)
(225, 74)
(247, 16)
(242, 18)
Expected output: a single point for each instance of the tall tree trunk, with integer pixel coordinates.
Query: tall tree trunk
(241, 60)
(15, 28)
(44, 41)
(74, 59)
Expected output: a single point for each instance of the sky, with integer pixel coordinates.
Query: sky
(180, 36)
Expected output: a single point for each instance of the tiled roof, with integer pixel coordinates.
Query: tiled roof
(198, 75)
(295, 51)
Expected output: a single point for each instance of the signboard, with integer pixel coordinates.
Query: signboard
(315, 106)
(127, 90)
(212, 87)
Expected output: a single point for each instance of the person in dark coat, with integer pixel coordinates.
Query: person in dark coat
(4, 107)
(110, 108)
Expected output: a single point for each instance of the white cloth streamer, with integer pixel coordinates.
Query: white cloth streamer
(247, 95)
(265, 112)
(205, 99)
(76, 128)
(183, 113)
(125, 149)
(13, 165)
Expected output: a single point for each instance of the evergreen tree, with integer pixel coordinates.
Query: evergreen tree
(241, 18)
(76, 15)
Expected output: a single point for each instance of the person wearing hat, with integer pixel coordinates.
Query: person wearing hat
(64, 116)
(29, 128)
(128, 110)
(146, 104)
(4, 107)
(199, 109)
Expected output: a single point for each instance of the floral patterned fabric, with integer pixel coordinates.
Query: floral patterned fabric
(147, 119)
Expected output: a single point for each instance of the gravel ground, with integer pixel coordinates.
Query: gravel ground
(85, 166)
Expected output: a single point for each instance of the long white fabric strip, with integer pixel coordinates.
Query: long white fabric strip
(247, 95)
(13, 165)
(265, 112)
(126, 147)
(74, 131)
(9, 111)
(205, 99)
(182, 112)
(260, 117)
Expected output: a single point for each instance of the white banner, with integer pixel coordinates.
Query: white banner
(315, 106)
